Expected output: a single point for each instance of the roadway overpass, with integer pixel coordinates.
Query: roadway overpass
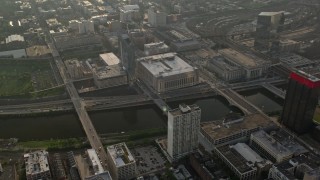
(80, 108)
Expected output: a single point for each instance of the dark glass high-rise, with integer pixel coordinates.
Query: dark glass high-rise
(300, 102)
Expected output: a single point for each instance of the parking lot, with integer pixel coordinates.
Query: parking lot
(148, 159)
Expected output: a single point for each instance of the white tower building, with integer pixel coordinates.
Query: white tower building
(183, 130)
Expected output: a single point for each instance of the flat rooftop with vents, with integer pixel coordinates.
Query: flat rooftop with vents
(165, 64)
(120, 154)
(224, 131)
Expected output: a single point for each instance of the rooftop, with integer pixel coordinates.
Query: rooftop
(95, 160)
(110, 59)
(220, 61)
(289, 142)
(129, 8)
(216, 129)
(236, 159)
(183, 108)
(271, 143)
(109, 71)
(160, 45)
(120, 154)
(246, 60)
(101, 176)
(286, 167)
(36, 162)
(270, 13)
(247, 153)
(168, 64)
(307, 76)
(14, 37)
(294, 60)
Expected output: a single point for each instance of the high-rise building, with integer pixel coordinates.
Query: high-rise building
(268, 25)
(183, 130)
(121, 163)
(300, 102)
(156, 18)
(127, 54)
(86, 26)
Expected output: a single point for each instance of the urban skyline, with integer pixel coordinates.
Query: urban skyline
(99, 89)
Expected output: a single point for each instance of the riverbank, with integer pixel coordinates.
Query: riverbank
(132, 138)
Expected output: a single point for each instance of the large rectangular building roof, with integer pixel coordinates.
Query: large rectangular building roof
(270, 13)
(270, 143)
(234, 158)
(245, 60)
(216, 130)
(294, 60)
(221, 63)
(247, 153)
(110, 59)
(109, 72)
(165, 65)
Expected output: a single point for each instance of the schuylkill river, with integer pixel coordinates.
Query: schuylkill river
(127, 119)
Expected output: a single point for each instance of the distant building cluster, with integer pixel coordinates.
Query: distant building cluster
(82, 27)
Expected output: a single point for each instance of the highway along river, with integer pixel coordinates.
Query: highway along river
(123, 120)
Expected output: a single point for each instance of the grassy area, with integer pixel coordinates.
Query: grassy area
(132, 139)
(50, 92)
(21, 77)
(53, 144)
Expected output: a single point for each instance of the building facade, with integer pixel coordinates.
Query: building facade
(121, 163)
(225, 69)
(300, 102)
(183, 130)
(251, 66)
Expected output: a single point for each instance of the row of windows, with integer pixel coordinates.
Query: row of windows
(177, 83)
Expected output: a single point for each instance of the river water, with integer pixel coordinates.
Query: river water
(119, 120)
